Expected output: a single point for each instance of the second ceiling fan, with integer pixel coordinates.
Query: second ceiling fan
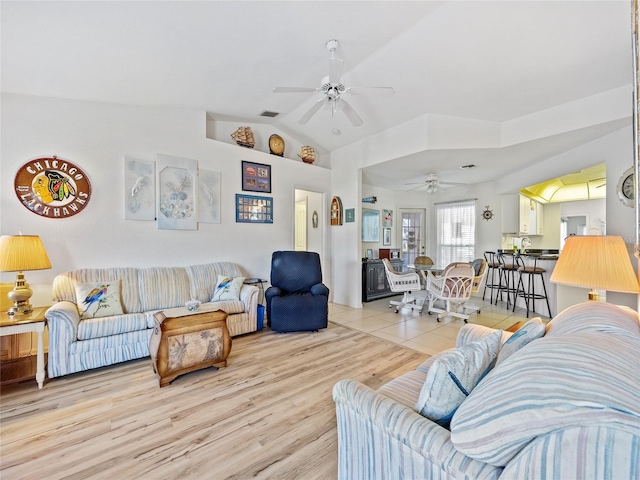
(333, 89)
(432, 184)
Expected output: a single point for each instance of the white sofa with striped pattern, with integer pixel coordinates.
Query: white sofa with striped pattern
(565, 406)
(76, 345)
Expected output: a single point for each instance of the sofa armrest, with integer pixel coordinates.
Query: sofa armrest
(249, 297)
(63, 319)
(472, 333)
(379, 437)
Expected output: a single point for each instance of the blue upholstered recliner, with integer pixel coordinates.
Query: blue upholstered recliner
(297, 300)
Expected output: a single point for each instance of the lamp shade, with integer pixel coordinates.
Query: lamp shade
(598, 262)
(19, 253)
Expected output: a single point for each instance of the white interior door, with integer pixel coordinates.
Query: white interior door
(413, 233)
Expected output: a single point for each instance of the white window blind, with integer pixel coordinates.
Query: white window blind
(456, 232)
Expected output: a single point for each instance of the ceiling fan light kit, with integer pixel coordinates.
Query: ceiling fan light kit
(333, 89)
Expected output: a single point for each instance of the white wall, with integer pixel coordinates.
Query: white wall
(96, 137)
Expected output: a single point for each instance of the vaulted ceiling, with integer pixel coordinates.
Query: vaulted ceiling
(493, 61)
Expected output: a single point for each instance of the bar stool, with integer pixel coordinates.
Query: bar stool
(507, 280)
(529, 293)
(492, 268)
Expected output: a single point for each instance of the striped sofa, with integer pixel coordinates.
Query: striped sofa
(76, 345)
(564, 406)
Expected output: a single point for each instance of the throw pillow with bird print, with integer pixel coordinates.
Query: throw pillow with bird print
(98, 299)
(228, 288)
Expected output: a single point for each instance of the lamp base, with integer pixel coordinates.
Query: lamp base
(20, 296)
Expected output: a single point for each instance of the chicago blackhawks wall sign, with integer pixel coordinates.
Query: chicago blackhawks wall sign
(52, 187)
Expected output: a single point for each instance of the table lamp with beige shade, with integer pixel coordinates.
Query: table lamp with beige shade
(598, 263)
(19, 253)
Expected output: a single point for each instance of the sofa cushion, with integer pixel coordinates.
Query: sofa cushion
(115, 325)
(554, 383)
(227, 288)
(100, 299)
(453, 375)
(202, 278)
(528, 332)
(163, 287)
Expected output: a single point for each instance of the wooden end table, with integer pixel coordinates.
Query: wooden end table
(22, 368)
(184, 341)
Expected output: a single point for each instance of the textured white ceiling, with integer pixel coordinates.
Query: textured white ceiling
(483, 60)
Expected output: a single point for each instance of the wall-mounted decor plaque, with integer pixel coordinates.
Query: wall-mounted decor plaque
(52, 187)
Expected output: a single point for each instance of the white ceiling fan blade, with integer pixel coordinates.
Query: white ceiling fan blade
(348, 110)
(381, 91)
(295, 90)
(335, 70)
(311, 112)
(451, 183)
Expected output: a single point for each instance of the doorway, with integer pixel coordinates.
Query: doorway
(571, 225)
(412, 233)
(308, 218)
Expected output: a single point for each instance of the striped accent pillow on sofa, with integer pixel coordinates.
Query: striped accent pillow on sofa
(453, 375)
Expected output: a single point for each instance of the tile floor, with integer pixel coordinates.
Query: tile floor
(421, 331)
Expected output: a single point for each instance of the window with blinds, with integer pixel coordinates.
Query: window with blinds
(456, 231)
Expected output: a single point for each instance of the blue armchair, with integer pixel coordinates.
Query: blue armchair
(297, 300)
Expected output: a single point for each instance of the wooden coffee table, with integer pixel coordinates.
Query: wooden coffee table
(515, 327)
(185, 341)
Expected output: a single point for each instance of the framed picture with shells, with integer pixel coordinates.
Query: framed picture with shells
(177, 179)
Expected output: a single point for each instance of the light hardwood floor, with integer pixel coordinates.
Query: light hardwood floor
(269, 414)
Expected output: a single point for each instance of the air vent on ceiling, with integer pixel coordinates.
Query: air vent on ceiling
(267, 113)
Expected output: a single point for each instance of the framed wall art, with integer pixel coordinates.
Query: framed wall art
(253, 209)
(387, 218)
(177, 200)
(350, 215)
(256, 177)
(386, 236)
(139, 189)
(209, 196)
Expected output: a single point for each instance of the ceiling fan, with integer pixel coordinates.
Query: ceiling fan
(333, 89)
(431, 184)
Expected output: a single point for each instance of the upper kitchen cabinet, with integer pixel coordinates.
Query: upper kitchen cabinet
(521, 215)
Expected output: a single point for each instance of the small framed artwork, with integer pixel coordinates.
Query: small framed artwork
(370, 253)
(253, 209)
(256, 177)
(386, 236)
(387, 218)
(350, 215)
